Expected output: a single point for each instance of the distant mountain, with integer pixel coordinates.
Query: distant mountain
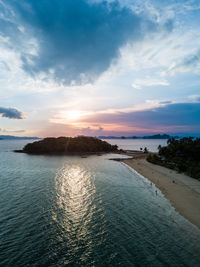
(156, 136)
(118, 137)
(10, 137)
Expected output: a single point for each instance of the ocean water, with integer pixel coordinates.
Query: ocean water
(73, 211)
(136, 144)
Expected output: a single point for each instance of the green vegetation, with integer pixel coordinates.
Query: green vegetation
(68, 145)
(182, 155)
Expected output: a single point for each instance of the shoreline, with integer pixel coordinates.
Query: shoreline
(182, 191)
(67, 154)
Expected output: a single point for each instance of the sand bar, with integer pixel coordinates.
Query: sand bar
(181, 190)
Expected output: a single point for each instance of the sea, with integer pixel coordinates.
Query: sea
(74, 211)
(138, 144)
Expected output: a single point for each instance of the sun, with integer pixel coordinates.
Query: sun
(73, 115)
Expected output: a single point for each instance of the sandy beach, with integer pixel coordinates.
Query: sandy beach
(182, 191)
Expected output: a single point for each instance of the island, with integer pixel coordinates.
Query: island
(156, 136)
(68, 146)
(11, 137)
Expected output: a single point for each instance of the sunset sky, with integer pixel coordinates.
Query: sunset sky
(93, 67)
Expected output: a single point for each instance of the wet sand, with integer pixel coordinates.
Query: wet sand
(181, 190)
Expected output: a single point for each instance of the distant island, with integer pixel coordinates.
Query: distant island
(156, 136)
(11, 137)
(182, 155)
(68, 146)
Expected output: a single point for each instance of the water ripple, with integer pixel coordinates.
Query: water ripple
(69, 211)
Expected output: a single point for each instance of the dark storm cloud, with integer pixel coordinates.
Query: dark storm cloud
(11, 113)
(78, 40)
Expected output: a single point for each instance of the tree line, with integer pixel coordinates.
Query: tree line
(182, 155)
(69, 145)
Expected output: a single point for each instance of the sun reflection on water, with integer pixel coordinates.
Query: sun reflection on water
(75, 206)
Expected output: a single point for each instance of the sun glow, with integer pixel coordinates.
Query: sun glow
(73, 115)
(70, 116)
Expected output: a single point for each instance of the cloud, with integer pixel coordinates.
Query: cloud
(11, 113)
(194, 98)
(187, 63)
(11, 131)
(182, 115)
(76, 40)
(92, 131)
(138, 84)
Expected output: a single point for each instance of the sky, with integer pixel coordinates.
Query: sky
(99, 67)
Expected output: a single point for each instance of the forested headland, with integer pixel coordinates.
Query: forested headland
(68, 145)
(182, 155)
